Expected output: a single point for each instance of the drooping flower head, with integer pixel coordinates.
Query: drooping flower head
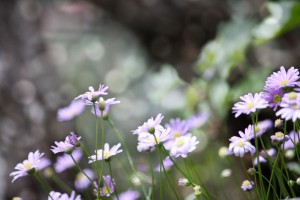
(249, 104)
(128, 195)
(65, 161)
(71, 111)
(239, 146)
(30, 165)
(106, 154)
(247, 185)
(283, 78)
(63, 196)
(182, 145)
(150, 125)
(273, 97)
(290, 107)
(91, 96)
(81, 181)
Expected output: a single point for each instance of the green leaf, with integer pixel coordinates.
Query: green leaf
(284, 16)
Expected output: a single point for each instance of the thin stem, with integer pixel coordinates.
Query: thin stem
(152, 176)
(43, 184)
(102, 146)
(81, 169)
(110, 173)
(96, 147)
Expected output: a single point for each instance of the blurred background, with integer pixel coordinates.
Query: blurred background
(175, 57)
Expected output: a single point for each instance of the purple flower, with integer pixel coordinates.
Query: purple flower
(283, 79)
(150, 125)
(249, 133)
(290, 107)
(65, 161)
(247, 185)
(147, 141)
(106, 186)
(183, 182)
(178, 127)
(71, 111)
(92, 95)
(294, 139)
(262, 127)
(196, 120)
(182, 145)
(250, 103)
(73, 139)
(263, 155)
(30, 165)
(273, 97)
(279, 137)
(81, 181)
(129, 195)
(239, 146)
(107, 153)
(61, 146)
(59, 196)
(102, 106)
(167, 164)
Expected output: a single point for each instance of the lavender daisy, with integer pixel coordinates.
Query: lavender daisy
(178, 127)
(273, 97)
(247, 185)
(239, 146)
(262, 127)
(279, 137)
(128, 195)
(59, 196)
(290, 107)
(150, 125)
(106, 186)
(30, 165)
(71, 111)
(73, 139)
(81, 181)
(196, 120)
(283, 78)
(167, 164)
(107, 153)
(263, 155)
(249, 104)
(102, 106)
(92, 95)
(294, 139)
(62, 146)
(65, 161)
(182, 145)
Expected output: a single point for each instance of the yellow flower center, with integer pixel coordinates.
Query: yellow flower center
(179, 143)
(79, 176)
(256, 129)
(277, 98)
(250, 105)
(279, 135)
(240, 143)
(176, 134)
(246, 183)
(106, 154)
(292, 96)
(156, 139)
(106, 190)
(28, 166)
(283, 83)
(278, 122)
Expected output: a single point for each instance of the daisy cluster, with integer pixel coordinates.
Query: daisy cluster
(281, 95)
(175, 138)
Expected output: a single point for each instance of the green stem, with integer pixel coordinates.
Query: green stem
(102, 146)
(96, 147)
(110, 173)
(43, 184)
(152, 175)
(77, 165)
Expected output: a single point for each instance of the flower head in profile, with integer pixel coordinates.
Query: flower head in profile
(102, 106)
(67, 146)
(30, 165)
(182, 145)
(63, 196)
(283, 78)
(263, 155)
(73, 139)
(91, 96)
(71, 111)
(262, 126)
(128, 195)
(239, 146)
(249, 104)
(247, 185)
(279, 137)
(106, 154)
(290, 107)
(294, 140)
(150, 125)
(81, 181)
(167, 165)
(65, 161)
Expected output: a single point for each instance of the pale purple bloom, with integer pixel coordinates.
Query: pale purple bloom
(128, 195)
(239, 146)
(178, 127)
(63, 196)
(294, 139)
(65, 161)
(273, 97)
(102, 106)
(249, 104)
(71, 111)
(196, 120)
(28, 166)
(92, 95)
(182, 145)
(263, 155)
(279, 137)
(183, 182)
(249, 133)
(283, 78)
(262, 127)
(107, 153)
(73, 139)
(62, 146)
(81, 181)
(106, 186)
(167, 162)
(150, 125)
(247, 185)
(147, 141)
(290, 107)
